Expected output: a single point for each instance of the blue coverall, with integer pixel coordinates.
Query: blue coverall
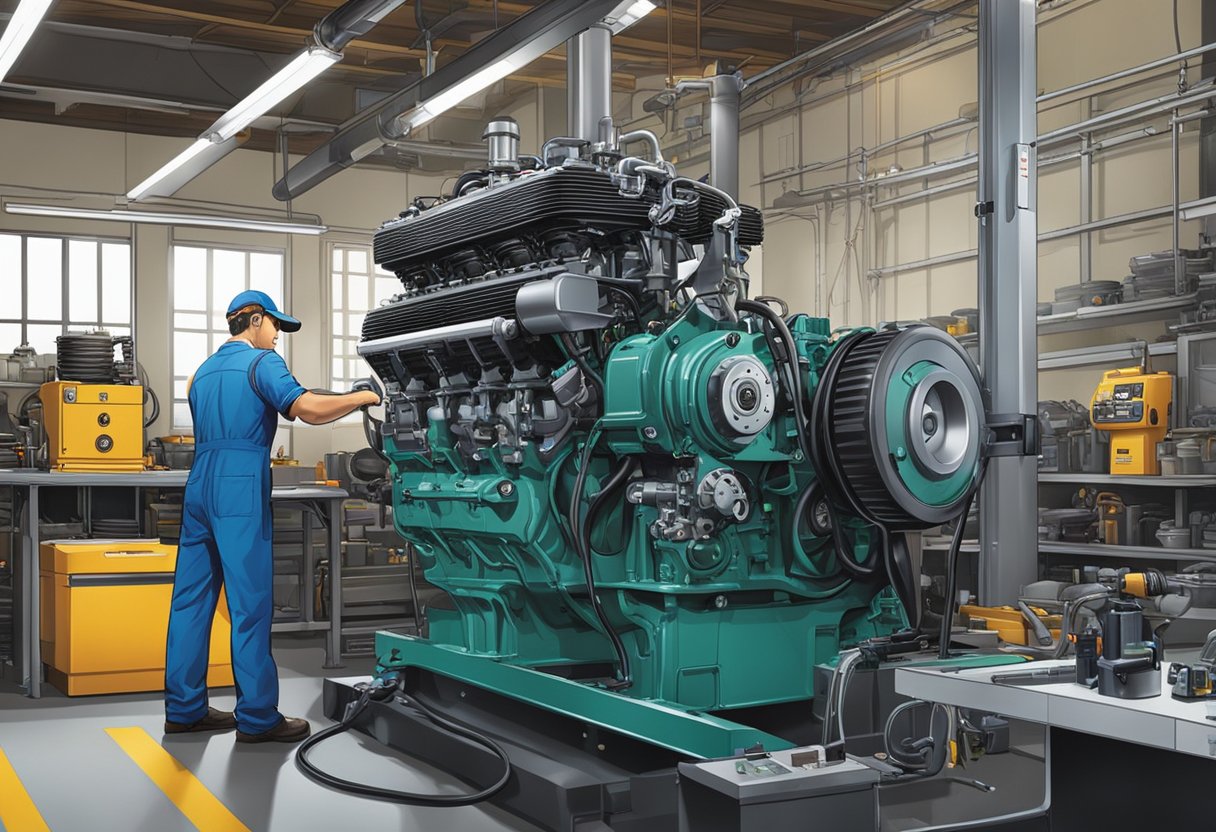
(225, 536)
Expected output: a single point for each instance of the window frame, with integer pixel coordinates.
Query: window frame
(341, 383)
(65, 322)
(220, 334)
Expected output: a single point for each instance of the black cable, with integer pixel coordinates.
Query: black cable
(956, 541)
(630, 300)
(576, 533)
(579, 359)
(606, 493)
(413, 798)
(790, 358)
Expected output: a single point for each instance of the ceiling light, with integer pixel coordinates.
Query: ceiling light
(17, 34)
(449, 98)
(303, 68)
(173, 164)
(201, 220)
(621, 20)
(290, 79)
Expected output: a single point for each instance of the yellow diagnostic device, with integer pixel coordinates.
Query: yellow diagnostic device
(1135, 406)
(94, 427)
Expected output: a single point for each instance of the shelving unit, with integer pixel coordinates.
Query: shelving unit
(1104, 355)
(1101, 550)
(1180, 481)
(1121, 314)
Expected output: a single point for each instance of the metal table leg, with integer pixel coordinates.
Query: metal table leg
(32, 614)
(333, 644)
(307, 613)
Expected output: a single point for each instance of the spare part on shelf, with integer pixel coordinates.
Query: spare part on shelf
(1128, 524)
(175, 452)
(1153, 274)
(613, 461)
(1068, 443)
(1135, 406)
(1092, 293)
(1173, 538)
(1072, 525)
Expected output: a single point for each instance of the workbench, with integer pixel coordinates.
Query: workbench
(322, 502)
(1113, 763)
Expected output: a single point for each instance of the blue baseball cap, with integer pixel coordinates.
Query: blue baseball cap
(252, 297)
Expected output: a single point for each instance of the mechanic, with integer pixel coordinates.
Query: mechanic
(236, 398)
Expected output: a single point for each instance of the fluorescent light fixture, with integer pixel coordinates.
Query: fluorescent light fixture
(449, 98)
(17, 34)
(169, 167)
(201, 220)
(303, 68)
(622, 20)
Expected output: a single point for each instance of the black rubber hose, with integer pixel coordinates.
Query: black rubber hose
(605, 495)
(956, 542)
(790, 359)
(576, 532)
(629, 299)
(412, 798)
(579, 359)
(862, 570)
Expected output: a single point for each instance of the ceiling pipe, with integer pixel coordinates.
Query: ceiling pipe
(351, 20)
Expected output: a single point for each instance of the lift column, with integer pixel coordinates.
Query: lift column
(1008, 287)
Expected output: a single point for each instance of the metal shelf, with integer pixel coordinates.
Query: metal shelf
(1101, 550)
(939, 544)
(1178, 481)
(1107, 354)
(1134, 312)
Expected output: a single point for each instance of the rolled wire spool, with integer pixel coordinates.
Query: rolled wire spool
(86, 357)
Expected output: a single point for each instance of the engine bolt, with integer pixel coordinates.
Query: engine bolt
(720, 602)
(650, 432)
(732, 340)
(506, 488)
(901, 454)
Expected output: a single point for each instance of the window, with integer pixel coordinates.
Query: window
(53, 285)
(204, 282)
(357, 286)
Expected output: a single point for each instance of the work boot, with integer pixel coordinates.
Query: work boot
(213, 721)
(289, 730)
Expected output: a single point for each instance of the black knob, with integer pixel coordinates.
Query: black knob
(104, 443)
(104, 420)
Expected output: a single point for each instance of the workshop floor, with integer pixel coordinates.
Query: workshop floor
(81, 774)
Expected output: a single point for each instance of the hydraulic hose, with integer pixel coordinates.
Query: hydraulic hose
(956, 541)
(367, 694)
(790, 359)
(581, 546)
(605, 495)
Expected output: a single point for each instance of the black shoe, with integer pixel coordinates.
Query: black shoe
(213, 721)
(289, 730)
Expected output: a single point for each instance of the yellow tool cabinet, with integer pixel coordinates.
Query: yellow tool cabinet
(94, 427)
(105, 613)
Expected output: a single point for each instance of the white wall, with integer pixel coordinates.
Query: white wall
(92, 167)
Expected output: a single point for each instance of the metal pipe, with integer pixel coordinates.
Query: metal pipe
(876, 149)
(593, 96)
(647, 136)
(1175, 188)
(724, 91)
(351, 20)
(572, 85)
(1124, 73)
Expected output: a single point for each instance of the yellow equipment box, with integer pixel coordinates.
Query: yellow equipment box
(105, 615)
(1135, 406)
(94, 427)
(1008, 622)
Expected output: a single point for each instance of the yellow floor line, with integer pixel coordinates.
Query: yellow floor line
(17, 811)
(187, 792)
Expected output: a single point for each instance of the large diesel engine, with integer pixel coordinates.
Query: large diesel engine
(621, 469)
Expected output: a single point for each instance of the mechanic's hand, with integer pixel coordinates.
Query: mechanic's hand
(371, 386)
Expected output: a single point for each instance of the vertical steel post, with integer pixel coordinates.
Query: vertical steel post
(593, 87)
(724, 132)
(1008, 278)
(572, 86)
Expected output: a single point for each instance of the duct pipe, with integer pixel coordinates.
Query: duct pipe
(351, 20)
(593, 91)
(724, 91)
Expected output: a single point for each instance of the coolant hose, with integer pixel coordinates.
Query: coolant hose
(619, 477)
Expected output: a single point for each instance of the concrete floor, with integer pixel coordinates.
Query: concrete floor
(81, 779)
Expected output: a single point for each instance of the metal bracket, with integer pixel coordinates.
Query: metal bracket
(1013, 434)
(983, 209)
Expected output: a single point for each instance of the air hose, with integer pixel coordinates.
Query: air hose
(380, 690)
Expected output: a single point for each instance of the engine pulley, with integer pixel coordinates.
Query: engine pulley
(901, 420)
